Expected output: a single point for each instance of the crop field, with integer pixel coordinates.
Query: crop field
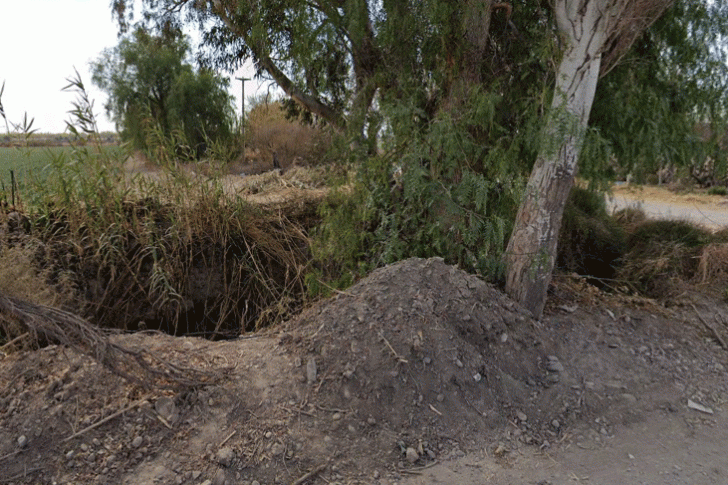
(28, 164)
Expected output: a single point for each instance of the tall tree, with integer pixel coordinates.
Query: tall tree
(596, 33)
(151, 86)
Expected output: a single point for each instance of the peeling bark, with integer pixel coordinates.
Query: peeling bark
(531, 251)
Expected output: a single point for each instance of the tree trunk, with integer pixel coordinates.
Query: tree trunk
(531, 251)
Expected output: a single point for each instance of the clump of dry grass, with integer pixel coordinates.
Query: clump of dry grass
(271, 132)
(663, 256)
(713, 263)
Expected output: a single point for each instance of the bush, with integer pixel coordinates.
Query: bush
(661, 255)
(590, 241)
(718, 190)
(271, 131)
(440, 192)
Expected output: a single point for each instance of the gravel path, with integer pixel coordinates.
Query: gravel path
(712, 216)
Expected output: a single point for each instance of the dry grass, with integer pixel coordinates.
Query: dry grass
(713, 263)
(270, 132)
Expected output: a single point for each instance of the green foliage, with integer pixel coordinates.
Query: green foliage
(156, 97)
(718, 190)
(442, 193)
(666, 103)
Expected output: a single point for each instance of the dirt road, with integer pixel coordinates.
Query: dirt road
(668, 448)
(660, 203)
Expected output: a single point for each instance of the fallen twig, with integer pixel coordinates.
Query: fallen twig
(108, 418)
(138, 366)
(20, 476)
(710, 327)
(418, 470)
(10, 455)
(394, 352)
(228, 438)
(309, 475)
(16, 339)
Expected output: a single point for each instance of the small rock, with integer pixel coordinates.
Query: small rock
(459, 363)
(411, 455)
(630, 398)
(225, 456)
(22, 441)
(504, 338)
(137, 442)
(277, 449)
(167, 409)
(84, 447)
(255, 482)
(553, 364)
(311, 371)
(376, 475)
(70, 454)
(268, 434)
(521, 416)
(196, 474)
(207, 482)
(336, 416)
(553, 377)
(477, 377)
(371, 421)
(219, 478)
(427, 360)
(555, 423)
(440, 397)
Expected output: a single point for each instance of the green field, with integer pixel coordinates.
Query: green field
(28, 164)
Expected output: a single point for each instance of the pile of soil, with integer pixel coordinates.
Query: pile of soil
(417, 364)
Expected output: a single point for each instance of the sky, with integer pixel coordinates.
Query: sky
(41, 41)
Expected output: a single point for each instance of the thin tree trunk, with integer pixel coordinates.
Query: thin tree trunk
(531, 251)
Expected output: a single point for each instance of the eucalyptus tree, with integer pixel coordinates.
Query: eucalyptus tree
(596, 35)
(472, 96)
(336, 58)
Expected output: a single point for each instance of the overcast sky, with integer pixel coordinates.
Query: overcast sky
(41, 41)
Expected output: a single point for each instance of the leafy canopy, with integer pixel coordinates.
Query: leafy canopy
(153, 90)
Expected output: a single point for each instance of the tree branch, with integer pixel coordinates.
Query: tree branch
(309, 102)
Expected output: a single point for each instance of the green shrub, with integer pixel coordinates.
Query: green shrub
(718, 190)
(443, 192)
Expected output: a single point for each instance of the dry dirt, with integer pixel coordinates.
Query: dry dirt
(658, 202)
(418, 374)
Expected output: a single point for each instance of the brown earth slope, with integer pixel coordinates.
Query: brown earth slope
(419, 373)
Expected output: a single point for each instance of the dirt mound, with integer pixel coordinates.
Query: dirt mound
(415, 364)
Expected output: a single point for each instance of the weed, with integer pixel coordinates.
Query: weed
(718, 190)
(176, 253)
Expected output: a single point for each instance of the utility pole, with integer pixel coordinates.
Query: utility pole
(242, 115)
